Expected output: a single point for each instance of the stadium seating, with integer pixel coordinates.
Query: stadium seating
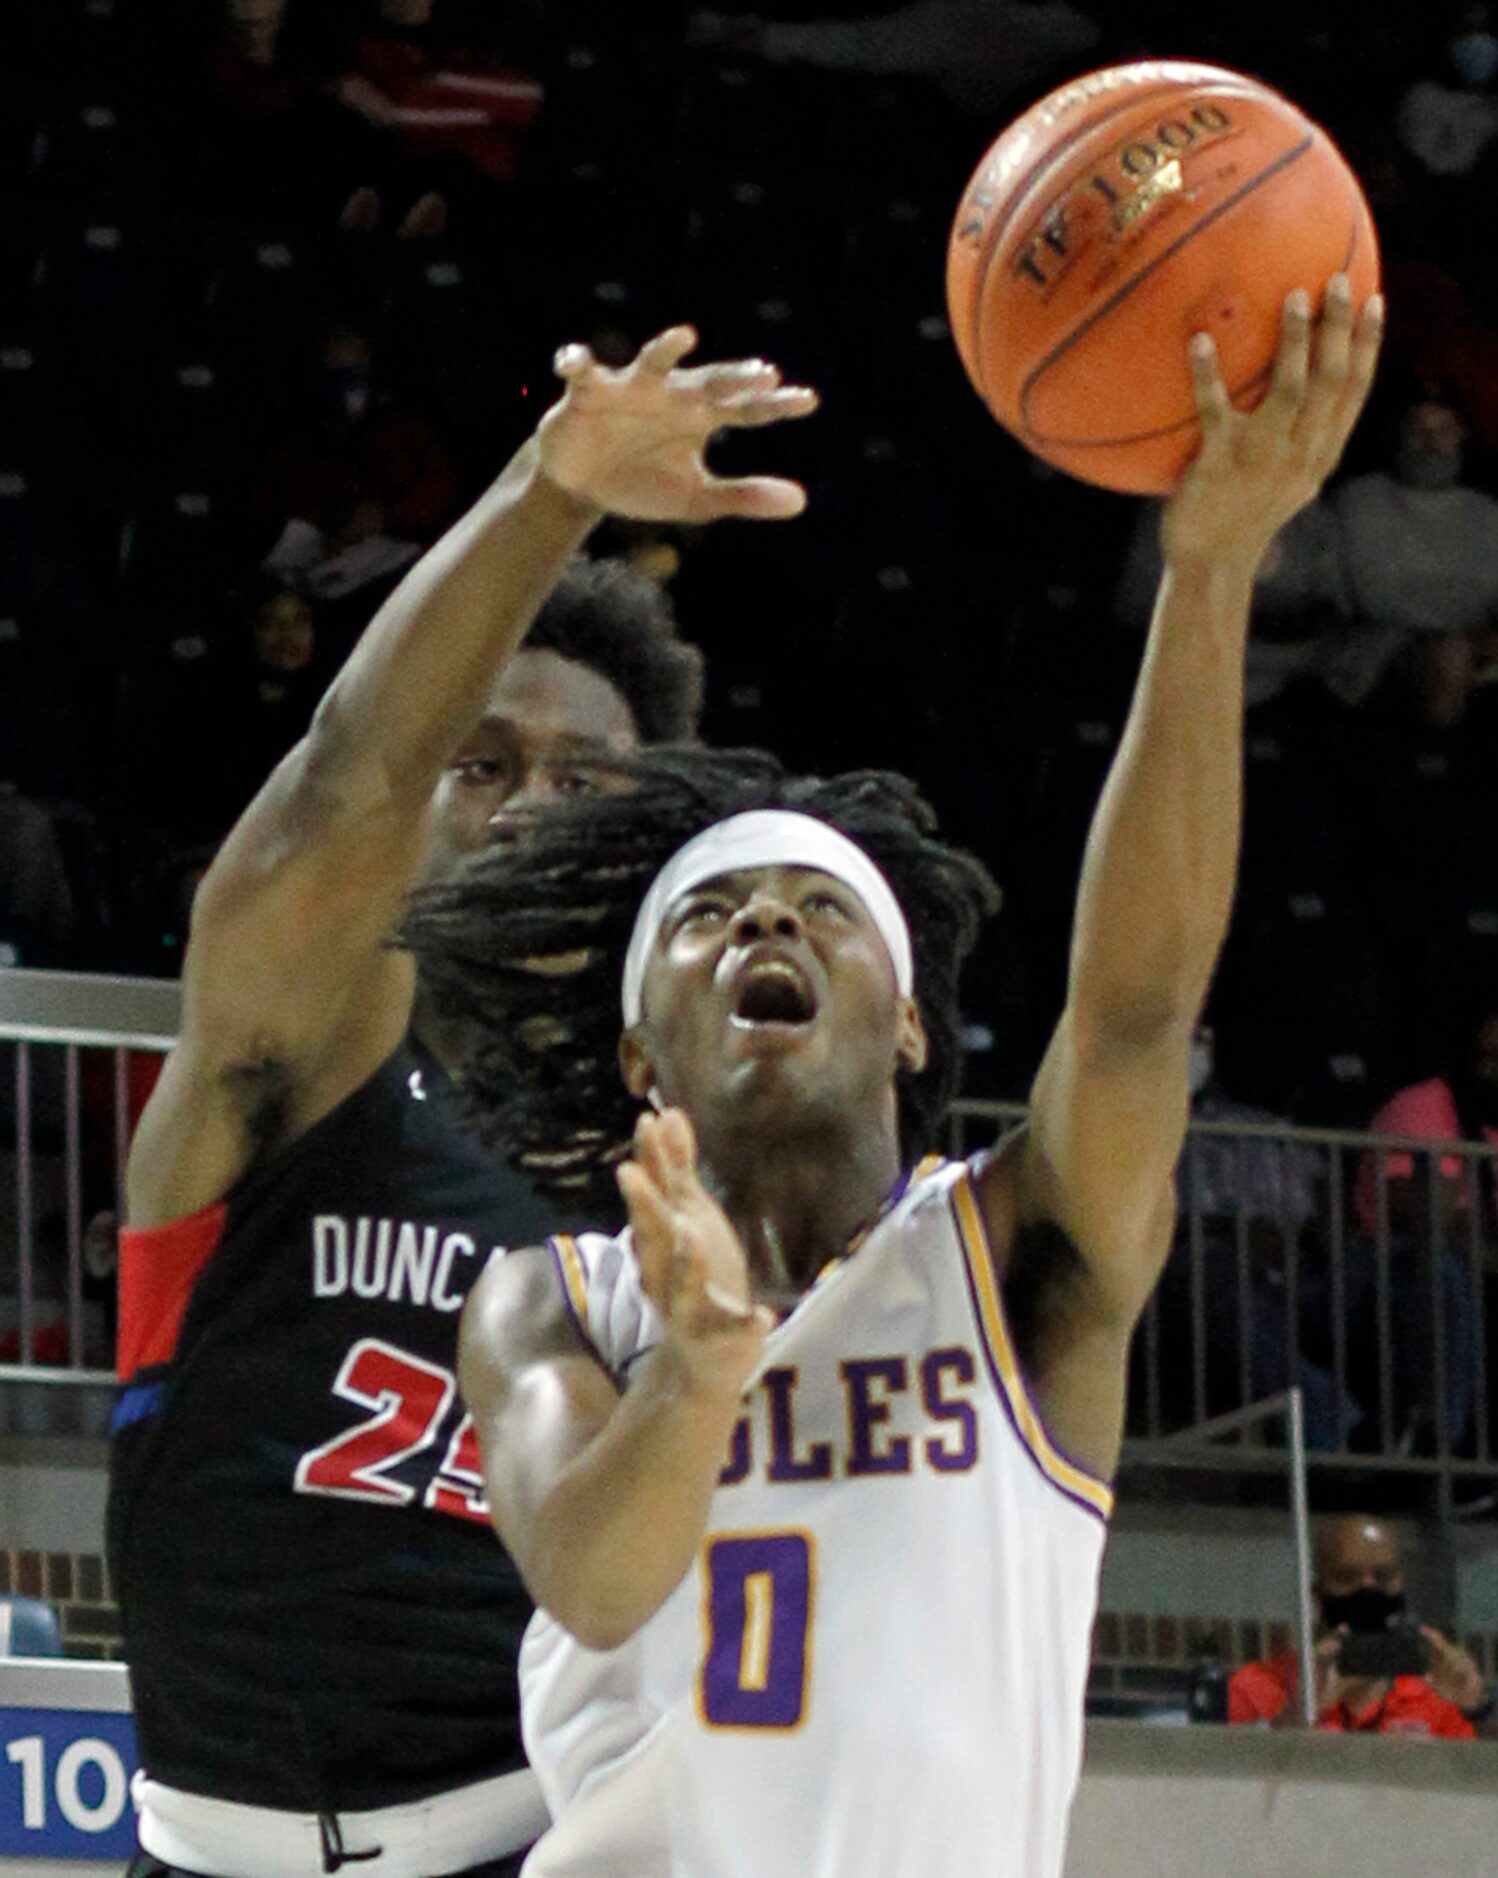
(28, 1627)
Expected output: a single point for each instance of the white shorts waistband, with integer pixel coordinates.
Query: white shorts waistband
(421, 1839)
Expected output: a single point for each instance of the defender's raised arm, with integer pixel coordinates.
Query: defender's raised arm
(291, 995)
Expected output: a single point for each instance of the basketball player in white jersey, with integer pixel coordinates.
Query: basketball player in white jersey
(809, 1471)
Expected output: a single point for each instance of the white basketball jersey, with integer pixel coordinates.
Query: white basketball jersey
(876, 1667)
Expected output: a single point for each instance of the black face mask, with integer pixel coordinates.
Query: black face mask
(1365, 1610)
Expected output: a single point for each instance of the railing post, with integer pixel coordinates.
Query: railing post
(1300, 1507)
(25, 1206)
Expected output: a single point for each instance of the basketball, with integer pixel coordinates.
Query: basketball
(1122, 214)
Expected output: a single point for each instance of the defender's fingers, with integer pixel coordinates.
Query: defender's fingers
(1213, 406)
(748, 410)
(1333, 358)
(753, 498)
(572, 362)
(722, 382)
(667, 350)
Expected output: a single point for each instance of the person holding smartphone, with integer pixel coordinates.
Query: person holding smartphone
(1376, 1672)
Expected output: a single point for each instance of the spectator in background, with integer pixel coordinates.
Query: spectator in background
(982, 53)
(349, 431)
(1461, 1105)
(442, 117)
(1419, 549)
(1448, 124)
(341, 548)
(1300, 596)
(1360, 1588)
(1268, 1192)
(1430, 1227)
(269, 687)
(1442, 679)
(255, 123)
(195, 740)
(353, 488)
(1442, 336)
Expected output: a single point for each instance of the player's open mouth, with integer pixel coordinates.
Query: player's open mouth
(773, 993)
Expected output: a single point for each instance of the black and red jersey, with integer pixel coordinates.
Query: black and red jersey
(317, 1613)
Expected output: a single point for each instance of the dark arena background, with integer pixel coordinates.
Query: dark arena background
(281, 282)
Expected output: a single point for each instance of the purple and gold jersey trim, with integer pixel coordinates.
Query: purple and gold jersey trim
(901, 1187)
(572, 1278)
(1079, 1486)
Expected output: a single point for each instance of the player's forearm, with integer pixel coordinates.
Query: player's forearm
(1157, 879)
(622, 1525)
(416, 682)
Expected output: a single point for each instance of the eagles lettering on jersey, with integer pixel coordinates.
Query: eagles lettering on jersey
(317, 1613)
(878, 1663)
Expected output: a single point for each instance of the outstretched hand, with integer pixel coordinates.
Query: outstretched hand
(692, 1265)
(1256, 469)
(632, 441)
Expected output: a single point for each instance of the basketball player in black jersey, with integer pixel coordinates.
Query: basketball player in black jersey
(320, 1624)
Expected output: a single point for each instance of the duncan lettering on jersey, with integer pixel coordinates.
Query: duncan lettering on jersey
(405, 1261)
(317, 1614)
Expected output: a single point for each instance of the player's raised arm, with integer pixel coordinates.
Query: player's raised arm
(291, 995)
(1110, 1103)
(601, 1493)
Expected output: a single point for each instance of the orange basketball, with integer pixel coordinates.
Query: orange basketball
(1123, 213)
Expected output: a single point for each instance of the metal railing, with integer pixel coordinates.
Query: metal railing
(1289, 1407)
(1352, 1266)
(72, 1042)
(1349, 1267)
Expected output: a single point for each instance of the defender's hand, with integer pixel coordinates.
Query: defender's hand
(1256, 469)
(631, 441)
(692, 1265)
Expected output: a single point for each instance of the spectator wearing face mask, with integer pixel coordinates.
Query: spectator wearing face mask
(1360, 1589)
(350, 430)
(1448, 123)
(1419, 549)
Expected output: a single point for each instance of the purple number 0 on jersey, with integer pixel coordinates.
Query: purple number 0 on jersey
(760, 1593)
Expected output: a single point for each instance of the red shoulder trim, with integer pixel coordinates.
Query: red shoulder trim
(158, 1268)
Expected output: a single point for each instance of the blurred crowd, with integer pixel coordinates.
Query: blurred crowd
(280, 281)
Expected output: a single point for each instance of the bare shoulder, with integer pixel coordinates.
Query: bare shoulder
(516, 1315)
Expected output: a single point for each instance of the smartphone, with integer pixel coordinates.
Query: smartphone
(1401, 1651)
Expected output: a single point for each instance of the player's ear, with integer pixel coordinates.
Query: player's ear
(635, 1065)
(913, 1049)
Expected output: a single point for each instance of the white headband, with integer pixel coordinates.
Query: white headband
(766, 838)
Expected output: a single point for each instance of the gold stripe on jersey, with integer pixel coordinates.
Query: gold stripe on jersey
(1028, 1425)
(575, 1278)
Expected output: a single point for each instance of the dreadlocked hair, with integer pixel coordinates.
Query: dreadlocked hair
(524, 945)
